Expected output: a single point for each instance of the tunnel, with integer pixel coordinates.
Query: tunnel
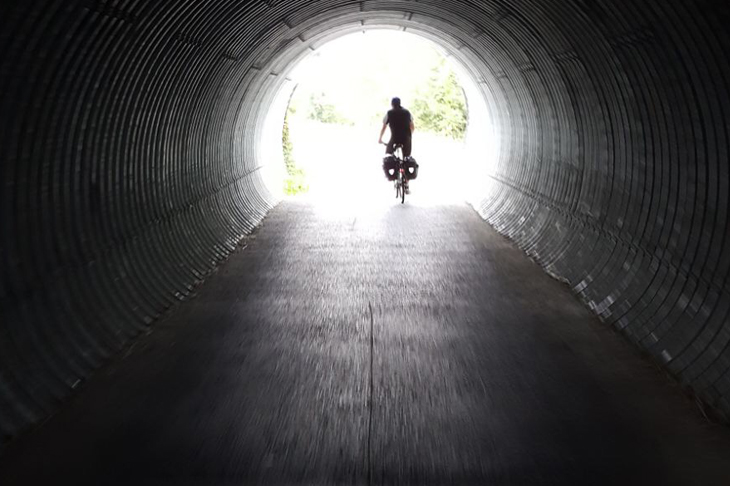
(136, 159)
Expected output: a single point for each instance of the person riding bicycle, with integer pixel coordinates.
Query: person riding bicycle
(401, 128)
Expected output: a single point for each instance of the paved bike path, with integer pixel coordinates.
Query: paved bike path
(401, 344)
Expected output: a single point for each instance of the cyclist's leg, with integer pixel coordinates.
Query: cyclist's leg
(390, 148)
(407, 146)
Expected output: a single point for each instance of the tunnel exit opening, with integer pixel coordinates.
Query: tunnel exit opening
(323, 127)
(143, 143)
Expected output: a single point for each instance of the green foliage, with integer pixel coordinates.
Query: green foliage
(286, 145)
(440, 107)
(295, 182)
(322, 111)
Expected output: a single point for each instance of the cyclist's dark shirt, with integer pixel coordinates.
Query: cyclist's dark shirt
(399, 120)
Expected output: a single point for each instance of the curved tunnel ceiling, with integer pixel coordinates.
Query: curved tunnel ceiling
(131, 165)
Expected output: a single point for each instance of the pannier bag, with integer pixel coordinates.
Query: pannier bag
(390, 165)
(411, 168)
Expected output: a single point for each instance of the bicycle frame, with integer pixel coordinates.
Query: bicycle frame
(400, 182)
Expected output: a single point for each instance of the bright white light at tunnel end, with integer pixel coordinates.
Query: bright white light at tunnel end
(472, 166)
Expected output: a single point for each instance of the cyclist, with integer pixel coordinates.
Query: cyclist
(401, 128)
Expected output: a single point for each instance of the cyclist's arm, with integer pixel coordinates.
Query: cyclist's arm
(382, 132)
(413, 126)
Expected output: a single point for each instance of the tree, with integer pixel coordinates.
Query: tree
(295, 182)
(441, 106)
(322, 111)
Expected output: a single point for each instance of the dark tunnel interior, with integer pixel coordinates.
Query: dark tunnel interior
(132, 162)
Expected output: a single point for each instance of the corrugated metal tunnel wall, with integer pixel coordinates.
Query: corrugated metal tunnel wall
(130, 162)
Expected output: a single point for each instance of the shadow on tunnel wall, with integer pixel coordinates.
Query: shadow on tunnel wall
(131, 162)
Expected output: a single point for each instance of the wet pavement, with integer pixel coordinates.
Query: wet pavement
(396, 345)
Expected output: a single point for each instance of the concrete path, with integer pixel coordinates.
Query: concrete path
(397, 345)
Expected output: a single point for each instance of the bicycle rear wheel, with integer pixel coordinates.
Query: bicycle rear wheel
(402, 188)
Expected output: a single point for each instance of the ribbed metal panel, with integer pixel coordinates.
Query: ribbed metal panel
(131, 167)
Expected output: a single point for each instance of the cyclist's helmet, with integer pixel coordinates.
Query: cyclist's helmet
(395, 102)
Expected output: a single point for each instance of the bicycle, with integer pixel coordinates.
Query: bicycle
(401, 181)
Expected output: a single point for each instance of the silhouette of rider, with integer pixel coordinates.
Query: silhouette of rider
(401, 126)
